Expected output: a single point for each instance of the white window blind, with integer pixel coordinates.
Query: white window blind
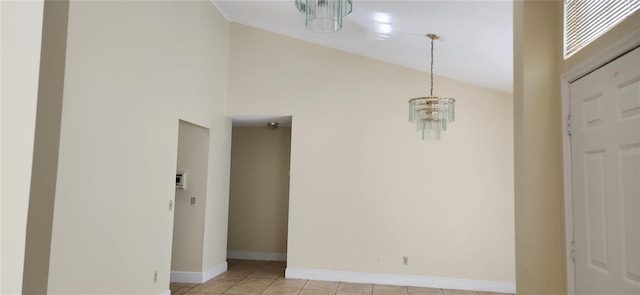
(586, 20)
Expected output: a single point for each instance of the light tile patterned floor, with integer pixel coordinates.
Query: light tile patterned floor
(248, 277)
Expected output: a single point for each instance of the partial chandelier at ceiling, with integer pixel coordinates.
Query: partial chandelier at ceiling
(324, 16)
(431, 113)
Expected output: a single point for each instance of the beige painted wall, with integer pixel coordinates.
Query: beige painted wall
(188, 221)
(133, 70)
(21, 33)
(539, 210)
(538, 148)
(365, 190)
(259, 189)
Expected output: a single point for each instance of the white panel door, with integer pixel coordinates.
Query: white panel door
(605, 162)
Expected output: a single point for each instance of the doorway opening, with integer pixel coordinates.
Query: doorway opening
(190, 203)
(259, 189)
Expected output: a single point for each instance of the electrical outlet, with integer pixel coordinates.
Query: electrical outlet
(155, 276)
(193, 201)
(405, 260)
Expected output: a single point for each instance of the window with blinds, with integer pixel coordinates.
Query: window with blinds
(586, 20)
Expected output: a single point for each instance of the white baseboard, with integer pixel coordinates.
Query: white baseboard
(197, 277)
(166, 292)
(214, 271)
(400, 280)
(185, 277)
(264, 256)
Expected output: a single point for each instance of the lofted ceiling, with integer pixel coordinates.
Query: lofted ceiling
(476, 44)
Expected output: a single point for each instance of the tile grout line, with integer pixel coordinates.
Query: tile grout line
(258, 270)
(272, 282)
(238, 282)
(305, 284)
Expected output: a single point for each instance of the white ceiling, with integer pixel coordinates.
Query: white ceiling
(476, 44)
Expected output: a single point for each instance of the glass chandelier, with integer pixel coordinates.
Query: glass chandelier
(431, 113)
(324, 15)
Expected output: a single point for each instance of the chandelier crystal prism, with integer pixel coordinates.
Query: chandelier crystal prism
(431, 113)
(324, 16)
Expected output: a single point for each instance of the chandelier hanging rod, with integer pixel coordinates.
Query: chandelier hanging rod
(432, 37)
